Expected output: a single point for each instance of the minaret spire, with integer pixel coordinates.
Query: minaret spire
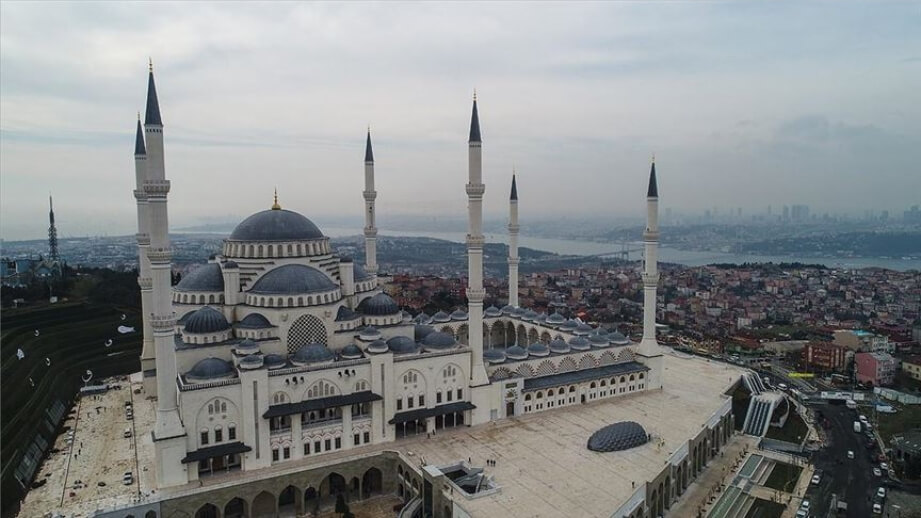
(153, 105)
(513, 244)
(52, 232)
(649, 350)
(370, 195)
(139, 147)
(475, 291)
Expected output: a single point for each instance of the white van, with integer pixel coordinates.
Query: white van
(127, 432)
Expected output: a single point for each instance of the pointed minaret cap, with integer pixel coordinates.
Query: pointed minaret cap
(153, 106)
(474, 123)
(369, 155)
(275, 205)
(653, 191)
(139, 147)
(514, 195)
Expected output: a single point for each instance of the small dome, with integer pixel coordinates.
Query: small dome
(402, 345)
(493, 311)
(210, 369)
(541, 318)
(458, 315)
(518, 312)
(369, 334)
(598, 340)
(379, 305)
(538, 349)
(422, 318)
(254, 321)
(377, 347)
(275, 361)
(618, 436)
(407, 317)
(350, 352)
(230, 265)
(494, 356)
(344, 314)
(617, 338)
(185, 317)
(207, 277)
(559, 346)
(582, 329)
(579, 343)
(438, 341)
(569, 325)
(441, 317)
(206, 320)
(313, 353)
(507, 309)
(251, 362)
(275, 225)
(247, 347)
(421, 331)
(293, 278)
(529, 315)
(516, 352)
(360, 273)
(556, 319)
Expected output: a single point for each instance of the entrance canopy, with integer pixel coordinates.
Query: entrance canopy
(365, 396)
(424, 413)
(220, 450)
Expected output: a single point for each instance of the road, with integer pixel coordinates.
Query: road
(851, 480)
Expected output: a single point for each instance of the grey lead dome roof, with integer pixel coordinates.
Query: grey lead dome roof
(254, 321)
(210, 368)
(207, 277)
(293, 278)
(379, 305)
(276, 225)
(438, 340)
(618, 436)
(313, 353)
(206, 320)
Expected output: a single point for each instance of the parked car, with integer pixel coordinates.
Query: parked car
(877, 472)
(881, 492)
(850, 454)
(128, 478)
(802, 513)
(816, 478)
(883, 466)
(877, 509)
(804, 505)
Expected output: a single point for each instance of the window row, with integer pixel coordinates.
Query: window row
(216, 435)
(282, 302)
(289, 250)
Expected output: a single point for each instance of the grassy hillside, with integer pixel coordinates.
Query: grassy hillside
(72, 337)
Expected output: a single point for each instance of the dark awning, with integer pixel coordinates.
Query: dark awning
(228, 448)
(365, 396)
(567, 378)
(424, 413)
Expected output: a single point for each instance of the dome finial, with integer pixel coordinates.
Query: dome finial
(276, 206)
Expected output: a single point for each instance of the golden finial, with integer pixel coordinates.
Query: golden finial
(276, 206)
(150, 64)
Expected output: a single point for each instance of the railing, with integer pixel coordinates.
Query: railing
(280, 430)
(317, 423)
(460, 350)
(183, 387)
(325, 366)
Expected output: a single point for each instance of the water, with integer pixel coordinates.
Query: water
(666, 254)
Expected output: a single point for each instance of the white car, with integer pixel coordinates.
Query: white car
(816, 478)
(877, 472)
(804, 505)
(802, 513)
(881, 492)
(850, 454)
(877, 509)
(884, 466)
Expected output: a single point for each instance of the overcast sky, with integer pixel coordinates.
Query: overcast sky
(744, 104)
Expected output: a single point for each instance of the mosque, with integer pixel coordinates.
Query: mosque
(280, 355)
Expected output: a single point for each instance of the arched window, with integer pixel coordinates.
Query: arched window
(632, 377)
(527, 397)
(290, 250)
(540, 395)
(210, 299)
(210, 408)
(290, 301)
(642, 375)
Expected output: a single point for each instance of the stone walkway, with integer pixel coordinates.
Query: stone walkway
(705, 491)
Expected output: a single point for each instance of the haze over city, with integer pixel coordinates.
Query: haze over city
(744, 105)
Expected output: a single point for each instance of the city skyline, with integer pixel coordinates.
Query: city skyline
(575, 98)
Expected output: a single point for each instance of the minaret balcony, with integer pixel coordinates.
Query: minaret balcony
(369, 195)
(143, 239)
(475, 241)
(513, 229)
(159, 255)
(156, 188)
(163, 323)
(650, 235)
(476, 295)
(146, 283)
(370, 231)
(650, 280)
(140, 195)
(475, 189)
(513, 261)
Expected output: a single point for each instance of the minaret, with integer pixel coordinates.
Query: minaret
(370, 224)
(148, 353)
(169, 435)
(513, 245)
(650, 352)
(475, 291)
(52, 232)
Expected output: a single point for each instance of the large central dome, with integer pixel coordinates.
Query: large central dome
(276, 225)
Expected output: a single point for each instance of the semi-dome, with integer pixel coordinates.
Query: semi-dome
(618, 436)
(293, 278)
(438, 341)
(579, 343)
(206, 320)
(494, 356)
(538, 349)
(251, 362)
(459, 314)
(559, 346)
(617, 338)
(344, 314)
(350, 352)
(230, 265)
(369, 334)
(313, 353)
(276, 225)
(247, 347)
(492, 311)
(516, 352)
(420, 331)
(254, 321)
(377, 347)
(379, 305)
(210, 369)
(402, 345)
(556, 319)
(441, 317)
(275, 361)
(207, 277)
